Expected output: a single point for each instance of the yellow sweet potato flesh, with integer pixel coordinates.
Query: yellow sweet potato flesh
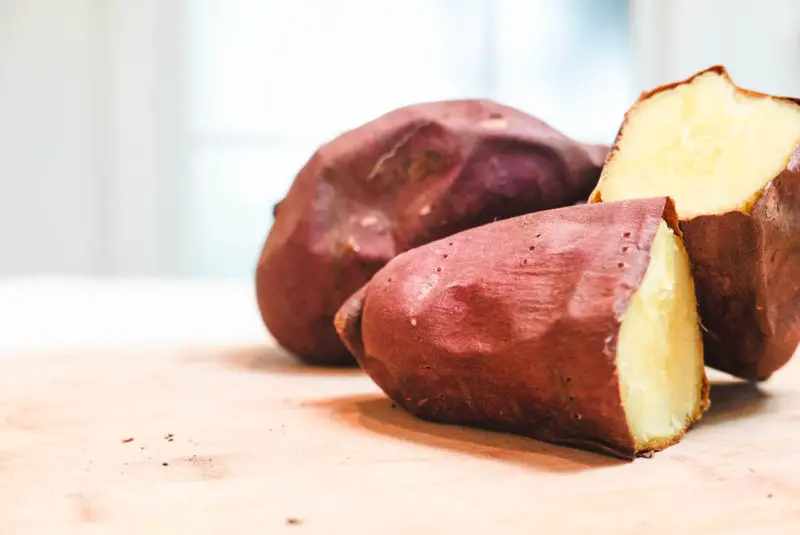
(660, 349)
(709, 146)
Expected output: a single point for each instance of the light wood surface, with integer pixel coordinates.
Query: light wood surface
(163, 408)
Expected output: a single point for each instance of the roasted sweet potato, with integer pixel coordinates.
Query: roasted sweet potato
(409, 177)
(576, 325)
(729, 158)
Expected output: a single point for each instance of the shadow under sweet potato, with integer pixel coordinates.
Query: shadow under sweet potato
(377, 414)
(733, 400)
(265, 358)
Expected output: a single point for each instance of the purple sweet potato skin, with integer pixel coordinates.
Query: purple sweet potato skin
(747, 272)
(412, 176)
(512, 326)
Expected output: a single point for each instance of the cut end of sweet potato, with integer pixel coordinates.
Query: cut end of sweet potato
(660, 350)
(706, 143)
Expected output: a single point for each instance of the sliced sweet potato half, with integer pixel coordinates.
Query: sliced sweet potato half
(729, 159)
(577, 326)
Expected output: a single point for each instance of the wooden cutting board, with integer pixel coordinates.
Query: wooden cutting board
(162, 408)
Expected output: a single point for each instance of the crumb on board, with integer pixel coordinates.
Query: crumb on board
(292, 521)
(164, 464)
(769, 495)
(169, 437)
(127, 440)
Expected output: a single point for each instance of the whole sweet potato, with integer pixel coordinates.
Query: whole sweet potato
(576, 325)
(729, 158)
(414, 175)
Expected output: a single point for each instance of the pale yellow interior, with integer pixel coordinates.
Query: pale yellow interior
(709, 146)
(660, 349)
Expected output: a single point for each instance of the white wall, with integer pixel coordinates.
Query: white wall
(89, 136)
(758, 41)
(50, 194)
(151, 137)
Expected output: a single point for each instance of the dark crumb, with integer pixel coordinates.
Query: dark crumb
(647, 454)
(127, 440)
(293, 521)
(164, 464)
(394, 405)
(769, 495)
(169, 437)
(141, 448)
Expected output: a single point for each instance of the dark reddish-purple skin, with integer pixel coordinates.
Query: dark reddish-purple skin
(746, 269)
(512, 326)
(412, 176)
(747, 273)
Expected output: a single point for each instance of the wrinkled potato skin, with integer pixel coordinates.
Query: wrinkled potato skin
(746, 269)
(412, 176)
(512, 326)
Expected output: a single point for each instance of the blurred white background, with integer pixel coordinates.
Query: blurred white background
(152, 137)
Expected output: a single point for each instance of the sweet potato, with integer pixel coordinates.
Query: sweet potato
(414, 175)
(725, 155)
(576, 325)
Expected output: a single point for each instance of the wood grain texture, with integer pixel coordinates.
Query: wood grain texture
(230, 435)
